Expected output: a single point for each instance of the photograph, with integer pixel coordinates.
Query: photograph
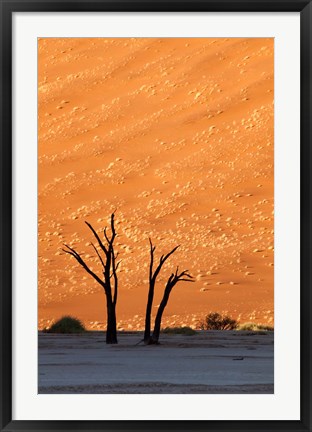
(155, 215)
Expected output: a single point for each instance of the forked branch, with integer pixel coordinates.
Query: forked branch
(79, 259)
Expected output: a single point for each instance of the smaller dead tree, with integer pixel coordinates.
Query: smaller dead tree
(152, 281)
(172, 281)
(110, 280)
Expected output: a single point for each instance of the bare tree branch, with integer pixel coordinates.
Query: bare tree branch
(100, 258)
(162, 260)
(117, 265)
(113, 227)
(98, 238)
(106, 237)
(114, 264)
(76, 255)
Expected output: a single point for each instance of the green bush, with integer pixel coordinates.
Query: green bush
(255, 327)
(216, 321)
(67, 324)
(188, 331)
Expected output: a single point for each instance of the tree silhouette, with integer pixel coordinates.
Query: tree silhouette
(110, 280)
(172, 281)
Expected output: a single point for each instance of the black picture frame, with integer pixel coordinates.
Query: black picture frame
(8, 7)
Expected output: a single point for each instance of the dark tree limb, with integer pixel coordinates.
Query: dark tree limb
(162, 261)
(114, 256)
(115, 267)
(76, 255)
(174, 278)
(106, 236)
(99, 256)
(98, 238)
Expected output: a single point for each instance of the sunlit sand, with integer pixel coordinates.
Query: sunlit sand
(176, 135)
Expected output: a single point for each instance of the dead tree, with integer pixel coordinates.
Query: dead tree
(172, 281)
(152, 280)
(148, 339)
(110, 280)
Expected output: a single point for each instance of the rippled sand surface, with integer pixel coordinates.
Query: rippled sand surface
(176, 135)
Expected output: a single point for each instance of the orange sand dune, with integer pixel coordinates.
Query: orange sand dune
(177, 136)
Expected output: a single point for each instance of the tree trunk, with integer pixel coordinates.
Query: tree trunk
(111, 332)
(147, 332)
(163, 304)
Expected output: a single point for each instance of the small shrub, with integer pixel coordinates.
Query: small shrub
(216, 321)
(187, 331)
(255, 327)
(67, 324)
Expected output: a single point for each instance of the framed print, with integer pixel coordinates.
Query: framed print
(155, 215)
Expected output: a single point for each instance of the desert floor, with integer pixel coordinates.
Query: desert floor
(177, 136)
(208, 362)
